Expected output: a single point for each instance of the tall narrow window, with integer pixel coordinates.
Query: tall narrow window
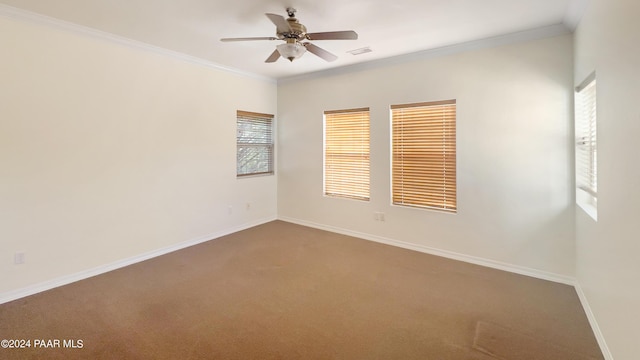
(424, 155)
(255, 143)
(346, 153)
(586, 149)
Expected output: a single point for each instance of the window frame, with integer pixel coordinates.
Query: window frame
(585, 156)
(265, 140)
(353, 180)
(440, 197)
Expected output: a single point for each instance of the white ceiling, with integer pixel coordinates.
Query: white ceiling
(389, 27)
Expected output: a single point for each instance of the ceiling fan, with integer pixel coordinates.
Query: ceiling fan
(295, 35)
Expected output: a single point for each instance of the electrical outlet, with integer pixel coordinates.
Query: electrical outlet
(248, 206)
(230, 209)
(378, 216)
(18, 258)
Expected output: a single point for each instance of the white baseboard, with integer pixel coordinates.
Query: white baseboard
(539, 274)
(67, 279)
(478, 261)
(64, 280)
(594, 323)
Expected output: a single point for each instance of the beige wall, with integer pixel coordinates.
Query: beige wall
(108, 151)
(608, 266)
(515, 178)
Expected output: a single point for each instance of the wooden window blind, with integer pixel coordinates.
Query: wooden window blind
(586, 140)
(424, 155)
(254, 143)
(346, 153)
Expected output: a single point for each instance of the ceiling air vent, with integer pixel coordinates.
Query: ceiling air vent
(360, 51)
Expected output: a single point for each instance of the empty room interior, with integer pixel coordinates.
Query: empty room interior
(397, 180)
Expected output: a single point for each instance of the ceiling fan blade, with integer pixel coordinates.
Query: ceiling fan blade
(322, 53)
(273, 57)
(279, 21)
(249, 39)
(333, 35)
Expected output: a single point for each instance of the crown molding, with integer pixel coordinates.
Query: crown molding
(508, 39)
(574, 14)
(27, 16)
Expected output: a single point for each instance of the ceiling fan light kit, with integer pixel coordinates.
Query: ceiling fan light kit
(291, 51)
(293, 33)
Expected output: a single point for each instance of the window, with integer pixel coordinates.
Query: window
(346, 153)
(586, 149)
(255, 143)
(424, 155)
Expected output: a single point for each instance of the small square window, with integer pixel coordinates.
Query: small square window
(254, 144)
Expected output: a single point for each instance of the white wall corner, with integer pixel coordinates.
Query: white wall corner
(593, 322)
(574, 13)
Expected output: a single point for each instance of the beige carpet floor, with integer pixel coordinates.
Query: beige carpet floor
(284, 291)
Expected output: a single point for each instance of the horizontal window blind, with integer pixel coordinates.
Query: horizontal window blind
(424, 155)
(346, 153)
(586, 140)
(254, 143)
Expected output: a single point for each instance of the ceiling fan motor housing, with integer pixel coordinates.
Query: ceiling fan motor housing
(295, 37)
(298, 31)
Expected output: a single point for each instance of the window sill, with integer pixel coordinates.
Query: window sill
(591, 210)
(245, 176)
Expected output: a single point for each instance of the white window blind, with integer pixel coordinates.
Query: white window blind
(424, 155)
(586, 143)
(346, 153)
(254, 143)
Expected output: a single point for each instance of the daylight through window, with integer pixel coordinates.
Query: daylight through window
(255, 143)
(424, 155)
(346, 153)
(586, 149)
